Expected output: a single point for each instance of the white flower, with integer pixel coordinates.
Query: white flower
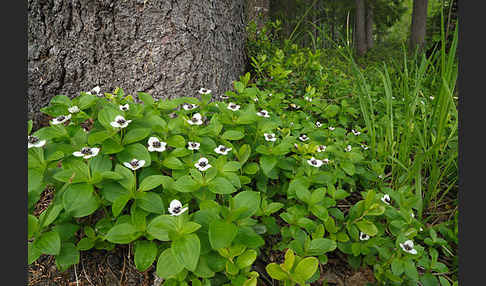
(188, 106)
(364, 147)
(203, 90)
(96, 89)
(412, 214)
(34, 141)
(309, 99)
(224, 97)
(134, 164)
(270, 137)
(331, 128)
(318, 124)
(120, 122)
(321, 148)
(355, 132)
(270, 94)
(291, 124)
(407, 246)
(175, 208)
(363, 236)
(73, 109)
(421, 229)
(431, 97)
(303, 137)
(156, 145)
(193, 145)
(255, 99)
(87, 152)
(202, 164)
(263, 113)
(348, 148)
(233, 107)
(325, 161)
(380, 176)
(195, 120)
(61, 119)
(386, 199)
(222, 150)
(315, 162)
(125, 107)
(294, 106)
(422, 102)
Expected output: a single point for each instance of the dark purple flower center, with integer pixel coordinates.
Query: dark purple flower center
(202, 164)
(121, 121)
(270, 136)
(86, 151)
(194, 119)
(387, 200)
(61, 118)
(156, 144)
(134, 163)
(33, 139)
(407, 247)
(313, 162)
(176, 209)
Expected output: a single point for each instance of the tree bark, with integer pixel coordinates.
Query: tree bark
(419, 20)
(360, 30)
(165, 48)
(369, 24)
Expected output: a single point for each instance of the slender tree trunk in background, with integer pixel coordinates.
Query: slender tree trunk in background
(419, 21)
(165, 48)
(258, 11)
(360, 27)
(369, 24)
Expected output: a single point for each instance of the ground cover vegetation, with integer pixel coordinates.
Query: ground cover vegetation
(310, 154)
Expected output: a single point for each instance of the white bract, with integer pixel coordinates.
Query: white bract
(321, 148)
(348, 148)
(120, 122)
(125, 107)
(34, 141)
(309, 99)
(355, 132)
(315, 162)
(196, 119)
(270, 137)
(407, 246)
(431, 97)
(188, 106)
(156, 145)
(73, 109)
(363, 236)
(193, 145)
(386, 199)
(294, 106)
(364, 147)
(318, 124)
(233, 107)
(203, 90)
(175, 208)
(134, 164)
(87, 152)
(203, 164)
(325, 161)
(303, 137)
(61, 119)
(223, 150)
(263, 113)
(331, 128)
(96, 89)
(224, 97)
(255, 99)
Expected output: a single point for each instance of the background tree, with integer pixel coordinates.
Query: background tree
(165, 48)
(419, 21)
(360, 26)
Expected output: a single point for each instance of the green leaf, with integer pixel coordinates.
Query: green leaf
(221, 233)
(85, 243)
(48, 243)
(167, 265)
(106, 116)
(150, 202)
(203, 270)
(68, 256)
(86, 100)
(268, 163)
(289, 260)
(246, 259)
(185, 184)
(274, 270)
(79, 201)
(305, 269)
(146, 98)
(32, 226)
(135, 151)
(111, 146)
(429, 280)
(151, 182)
(135, 135)
(128, 181)
(145, 253)
(320, 246)
(397, 267)
(190, 227)
(48, 216)
(99, 137)
(29, 126)
(244, 153)
(367, 227)
(173, 163)
(410, 270)
(176, 141)
(119, 204)
(160, 226)
(122, 233)
(231, 166)
(32, 253)
(186, 251)
(221, 185)
(233, 135)
(249, 200)
(348, 167)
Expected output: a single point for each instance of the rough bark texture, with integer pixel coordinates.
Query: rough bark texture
(419, 21)
(167, 48)
(369, 24)
(360, 30)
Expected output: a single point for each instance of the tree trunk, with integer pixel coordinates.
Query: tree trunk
(419, 20)
(165, 48)
(369, 24)
(258, 11)
(360, 30)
